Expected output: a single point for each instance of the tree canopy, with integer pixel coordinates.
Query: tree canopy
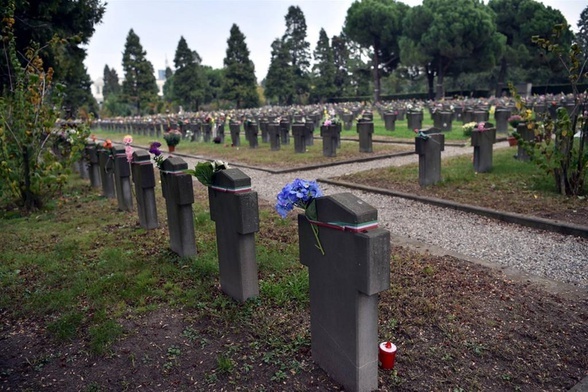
(324, 69)
(139, 87)
(240, 85)
(189, 82)
(73, 22)
(377, 24)
(452, 35)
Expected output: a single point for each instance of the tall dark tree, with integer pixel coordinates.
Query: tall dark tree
(324, 70)
(39, 22)
(215, 81)
(453, 35)
(111, 83)
(168, 86)
(340, 59)
(240, 85)
(294, 41)
(78, 93)
(279, 82)
(377, 24)
(582, 34)
(139, 87)
(189, 83)
(519, 21)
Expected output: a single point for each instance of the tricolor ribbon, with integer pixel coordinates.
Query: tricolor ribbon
(173, 173)
(231, 190)
(344, 226)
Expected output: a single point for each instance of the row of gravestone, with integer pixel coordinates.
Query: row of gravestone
(275, 134)
(431, 142)
(345, 279)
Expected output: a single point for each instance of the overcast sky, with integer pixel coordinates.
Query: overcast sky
(205, 24)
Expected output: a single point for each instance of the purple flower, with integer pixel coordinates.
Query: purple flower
(154, 148)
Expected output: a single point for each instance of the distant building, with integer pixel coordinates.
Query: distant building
(97, 87)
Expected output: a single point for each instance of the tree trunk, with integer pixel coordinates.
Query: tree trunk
(440, 73)
(501, 77)
(430, 80)
(376, 62)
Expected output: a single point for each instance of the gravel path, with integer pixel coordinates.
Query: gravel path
(536, 252)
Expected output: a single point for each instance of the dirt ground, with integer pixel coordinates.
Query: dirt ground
(459, 326)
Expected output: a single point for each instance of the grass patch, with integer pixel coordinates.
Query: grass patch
(263, 156)
(511, 185)
(88, 295)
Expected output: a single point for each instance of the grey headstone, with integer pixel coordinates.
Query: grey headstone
(144, 179)
(429, 151)
(235, 212)
(178, 192)
(344, 287)
(122, 179)
(483, 141)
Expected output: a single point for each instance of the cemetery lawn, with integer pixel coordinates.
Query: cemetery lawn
(91, 302)
(511, 186)
(262, 156)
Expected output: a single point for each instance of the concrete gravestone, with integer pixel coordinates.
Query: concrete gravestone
(106, 173)
(234, 209)
(330, 134)
(300, 134)
(428, 145)
(122, 179)
(365, 129)
(344, 287)
(144, 179)
(273, 130)
(235, 128)
(482, 141)
(179, 196)
(94, 169)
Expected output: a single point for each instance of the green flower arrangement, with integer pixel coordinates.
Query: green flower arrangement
(172, 137)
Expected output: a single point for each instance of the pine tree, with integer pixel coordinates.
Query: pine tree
(279, 82)
(78, 86)
(111, 84)
(139, 87)
(168, 86)
(294, 41)
(239, 84)
(340, 59)
(324, 69)
(189, 83)
(377, 25)
(582, 34)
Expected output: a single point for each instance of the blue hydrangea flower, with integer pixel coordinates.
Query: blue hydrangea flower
(298, 193)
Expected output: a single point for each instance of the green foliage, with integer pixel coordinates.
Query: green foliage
(280, 80)
(189, 82)
(324, 70)
(239, 83)
(582, 34)
(377, 24)
(518, 21)
(40, 22)
(204, 171)
(294, 41)
(449, 37)
(555, 148)
(139, 87)
(34, 156)
(111, 84)
(340, 60)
